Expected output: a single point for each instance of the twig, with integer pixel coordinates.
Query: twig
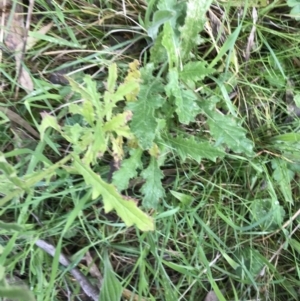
(86, 286)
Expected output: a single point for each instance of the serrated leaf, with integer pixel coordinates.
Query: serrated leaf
(260, 208)
(88, 92)
(185, 100)
(170, 42)
(152, 190)
(195, 71)
(126, 209)
(158, 53)
(132, 81)
(118, 124)
(111, 289)
(283, 176)
(99, 145)
(88, 112)
(128, 170)
(189, 148)
(143, 123)
(48, 121)
(193, 24)
(227, 131)
(112, 77)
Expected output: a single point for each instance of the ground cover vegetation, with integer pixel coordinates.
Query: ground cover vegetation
(149, 150)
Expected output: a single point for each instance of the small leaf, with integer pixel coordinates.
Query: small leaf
(118, 124)
(126, 209)
(152, 190)
(170, 42)
(143, 123)
(128, 170)
(112, 77)
(48, 121)
(185, 199)
(193, 24)
(195, 71)
(159, 17)
(260, 208)
(11, 174)
(283, 176)
(227, 131)
(158, 51)
(189, 148)
(111, 289)
(185, 100)
(131, 82)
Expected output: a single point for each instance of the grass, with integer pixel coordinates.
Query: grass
(225, 222)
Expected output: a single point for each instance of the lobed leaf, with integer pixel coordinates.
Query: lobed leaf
(195, 71)
(185, 100)
(193, 24)
(143, 123)
(152, 190)
(126, 209)
(227, 131)
(189, 148)
(128, 170)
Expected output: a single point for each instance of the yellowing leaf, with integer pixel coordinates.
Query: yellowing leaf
(133, 76)
(126, 209)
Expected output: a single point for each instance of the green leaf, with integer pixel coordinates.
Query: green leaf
(158, 51)
(251, 264)
(189, 148)
(185, 100)
(111, 289)
(283, 176)
(48, 121)
(195, 71)
(11, 174)
(185, 199)
(128, 170)
(2, 272)
(11, 227)
(89, 92)
(143, 123)
(295, 12)
(170, 42)
(193, 24)
(152, 190)
(227, 131)
(54, 40)
(118, 124)
(259, 209)
(112, 77)
(159, 18)
(126, 209)
(17, 293)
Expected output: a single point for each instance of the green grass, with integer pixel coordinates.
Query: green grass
(218, 178)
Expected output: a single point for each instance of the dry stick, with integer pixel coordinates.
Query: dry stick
(14, 117)
(86, 286)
